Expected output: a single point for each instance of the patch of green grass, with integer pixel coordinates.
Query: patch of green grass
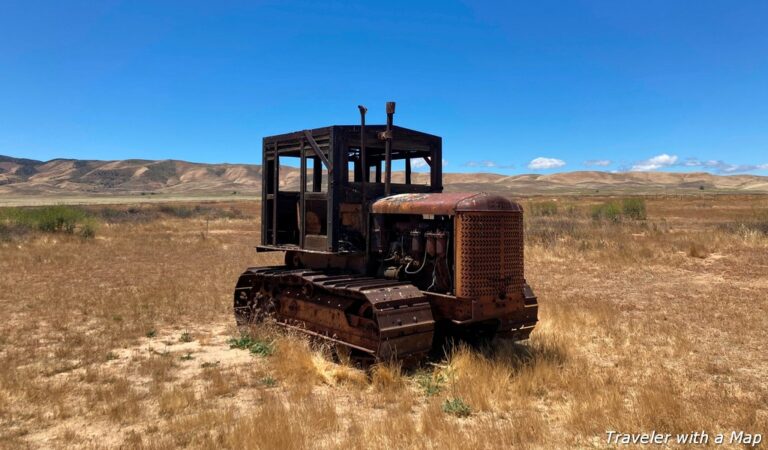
(456, 407)
(49, 219)
(187, 357)
(186, 212)
(112, 356)
(242, 343)
(268, 381)
(186, 337)
(610, 211)
(181, 212)
(88, 231)
(543, 208)
(255, 346)
(431, 384)
(262, 348)
(209, 365)
(151, 333)
(633, 208)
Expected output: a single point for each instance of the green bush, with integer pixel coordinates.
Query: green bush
(88, 230)
(181, 212)
(49, 219)
(126, 215)
(456, 407)
(186, 212)
(269, 381)
(257, 347)
(431, 384)
(543, 209)
(609, 211)
(633, 208)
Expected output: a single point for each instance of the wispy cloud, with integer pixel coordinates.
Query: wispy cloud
(486, 164)
(420, 164)
(545, 163)
(720, 166)
(655, 163)
(598, 163)
(664, 161)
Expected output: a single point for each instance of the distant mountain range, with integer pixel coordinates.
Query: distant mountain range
(63, 177)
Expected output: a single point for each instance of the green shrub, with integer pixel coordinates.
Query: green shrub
(181, 212)
(186, 337)
(126, 215)
(269, 381)
(456, 407)
(543, 209)
(431, 384)
(88, 230)
(257, 347)
(49, 219)
(55, 218)
(633, 208)
(609, 211)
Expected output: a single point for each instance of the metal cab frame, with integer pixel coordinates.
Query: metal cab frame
(330, 216)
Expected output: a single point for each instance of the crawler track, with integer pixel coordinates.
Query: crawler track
(375, 319)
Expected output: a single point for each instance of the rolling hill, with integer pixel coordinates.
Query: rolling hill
(71, 177)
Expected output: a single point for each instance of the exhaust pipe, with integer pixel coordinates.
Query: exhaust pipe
(363, 162)
(388, 149)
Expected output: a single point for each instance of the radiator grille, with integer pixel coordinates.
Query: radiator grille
(489, 254)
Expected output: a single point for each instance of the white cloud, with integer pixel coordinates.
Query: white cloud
(655, 163)
(598, 162)
(710, 165)
(720, 166)
(419, 163)
(486, 164)
(545, 163)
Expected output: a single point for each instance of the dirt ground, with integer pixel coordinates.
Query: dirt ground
(123, 340)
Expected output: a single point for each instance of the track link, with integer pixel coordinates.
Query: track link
(375, 318)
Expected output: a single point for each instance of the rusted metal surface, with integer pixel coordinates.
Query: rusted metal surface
(333, 147)
(443, 203)
(489, 255)
(381, 318)
(376, 272)
(316, 149)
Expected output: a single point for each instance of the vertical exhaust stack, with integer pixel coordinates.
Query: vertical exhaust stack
(363, 163)
(388, 149)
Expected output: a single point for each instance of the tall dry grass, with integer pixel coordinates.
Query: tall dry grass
(636, 334)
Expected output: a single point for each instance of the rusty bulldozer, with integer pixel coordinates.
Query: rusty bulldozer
(383, 268)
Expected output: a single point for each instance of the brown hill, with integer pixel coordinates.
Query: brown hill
(21, 177)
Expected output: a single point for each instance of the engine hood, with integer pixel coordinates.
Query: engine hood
(445, 204)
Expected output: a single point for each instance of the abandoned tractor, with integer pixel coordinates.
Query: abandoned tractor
(377, 259)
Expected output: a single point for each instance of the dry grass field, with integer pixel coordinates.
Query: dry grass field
(122, 339)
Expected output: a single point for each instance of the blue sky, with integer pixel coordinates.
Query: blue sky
(514, 88)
